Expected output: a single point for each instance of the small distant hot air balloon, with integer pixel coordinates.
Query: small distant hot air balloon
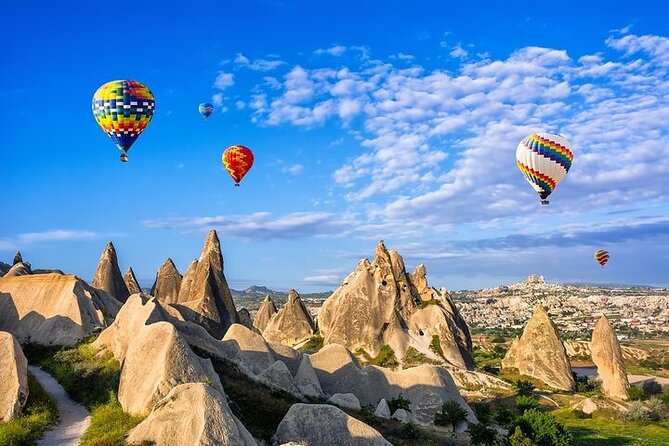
(123, 109)
(206, 109)
(544, 159)
(602, 257)
(237, 161)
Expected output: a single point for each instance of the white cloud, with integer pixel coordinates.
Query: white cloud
(20, 241)
(324, 279)
(294, 169)
(240, 105)
(458, 52)
(217, 99)
(263, 65)
(336, 51)
(224, 80)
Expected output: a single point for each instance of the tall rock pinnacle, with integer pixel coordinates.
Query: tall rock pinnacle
(108, 275)
(168, 283)
(131, 282)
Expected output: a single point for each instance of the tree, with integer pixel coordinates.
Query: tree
(451, 413)
(482, 412)
(504, 416)
(523, 387)
(518, 438)
(398, 403)
(634, 393)
(526, 402)
(543, 429)
(482, 434)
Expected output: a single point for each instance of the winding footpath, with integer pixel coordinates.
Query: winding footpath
(74, 418)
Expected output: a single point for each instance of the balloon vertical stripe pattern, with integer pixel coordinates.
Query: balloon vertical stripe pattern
(544, 159)
(237, 160)
(602, 257)
(123, 109)
(206, 109)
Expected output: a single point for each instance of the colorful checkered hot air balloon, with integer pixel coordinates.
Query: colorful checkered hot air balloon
(237, 161)
(602, 257)
(123, 109)
(206, 109)
(544, 159)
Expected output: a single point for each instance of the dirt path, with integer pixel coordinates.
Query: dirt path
(74, 418)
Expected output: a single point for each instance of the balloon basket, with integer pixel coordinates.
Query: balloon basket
(236, 184)
(124, 158)
(544, 202)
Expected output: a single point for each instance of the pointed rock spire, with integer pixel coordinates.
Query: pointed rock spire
(245, 318)
(608, 357)
(108, 275)
(540, 353)
(131, 282)
(167, 284)
(17, 258)
(207, 299)
(292, 324)
(264, 314)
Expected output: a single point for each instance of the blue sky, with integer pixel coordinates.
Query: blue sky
(368, 120)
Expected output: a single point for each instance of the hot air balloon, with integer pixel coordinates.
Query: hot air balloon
(237, 161)
(544, 159)
(206, 109)
(602, 257)
(123, 109)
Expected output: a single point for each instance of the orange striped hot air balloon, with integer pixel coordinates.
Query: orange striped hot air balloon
(237, 160)
(602, 257)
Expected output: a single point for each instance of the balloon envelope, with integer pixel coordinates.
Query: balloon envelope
(544, 159)
(237, 160)
(206, 109)
(602, 257)
(123, 109)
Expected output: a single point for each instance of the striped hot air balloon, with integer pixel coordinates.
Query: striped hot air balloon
(206, 109)
(544, 159)
(123, 109)
(237, 160)
(602, 257)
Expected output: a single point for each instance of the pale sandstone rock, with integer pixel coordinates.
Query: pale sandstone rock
(277, 376)
(345, 400)
(382, 410)
(325, 425)
(167, 284)
(264, 314)
(539, 353)
(108, 275)
(131, 282)
(292, 324)
(606, 354)
(13, 377)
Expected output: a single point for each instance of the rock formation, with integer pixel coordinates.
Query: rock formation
(426, 386)
(264, 314)
(345, 400)
(277, 376)
(306, 379)
(245, 318)
(4, 268)
(18, 258)
(167, 284)
(205, 297)
(131, 282)
(292, 324)
(539, 353)
(325, 425)
(379, 303)
(53, 309)
(108, 275)
(607, 356)
(19, 269)
(382, 409)
(13, 377)
(192, 414)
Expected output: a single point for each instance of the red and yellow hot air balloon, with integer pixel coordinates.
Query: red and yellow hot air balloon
(602, 257)
(237, 160)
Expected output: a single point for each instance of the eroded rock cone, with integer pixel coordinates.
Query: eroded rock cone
(539, 353)
(168, 283)
(607, 356)
(108, 275)
(131, 282)
(13, 377)
(291, 324)
(205, 297)
(19, 269)
(17, 258)
(264, 314)
(245, 318)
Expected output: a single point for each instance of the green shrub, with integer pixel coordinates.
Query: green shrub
(482, 434)
(409, 430)
(398, 403)
(367, 413)
(523, 387)
(526, 402)
(39, 413)
(435, 346)
(385, 358)
(314, 344)
(634, 393)
(482, 411)
(657, 409)
(498, 340)
(543, 429)
(504, 416)
(425, 303)
(109, 424)
(518, 438)
(413, 357)
(452, 413)
(651, 388)
(637, 412)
